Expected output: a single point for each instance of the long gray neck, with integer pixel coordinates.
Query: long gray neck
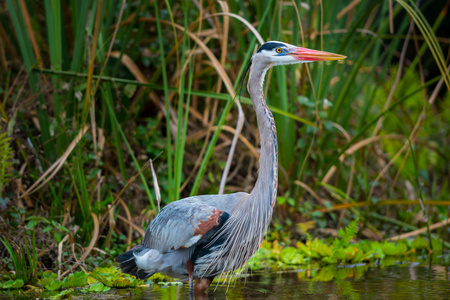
(250, 219)
(266, 185)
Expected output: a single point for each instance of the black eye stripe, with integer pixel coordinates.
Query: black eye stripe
(269, 46)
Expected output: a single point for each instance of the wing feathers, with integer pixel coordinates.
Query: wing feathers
(180, 224)
(204, 226)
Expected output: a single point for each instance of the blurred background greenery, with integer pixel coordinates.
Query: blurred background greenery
(91, 90)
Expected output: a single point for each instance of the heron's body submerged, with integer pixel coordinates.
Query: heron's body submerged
(203, 236)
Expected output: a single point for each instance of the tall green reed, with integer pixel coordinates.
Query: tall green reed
(24, 258)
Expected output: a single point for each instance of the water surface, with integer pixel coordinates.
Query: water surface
(409, 281)
(401, 281)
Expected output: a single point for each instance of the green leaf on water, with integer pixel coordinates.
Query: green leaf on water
(51, 284)
(77, 279)
(13, 284)
(420, 243)
(112, 277)
(394, 249)
(96, 288)
(49, 281)
(62, 293)
(325, 274)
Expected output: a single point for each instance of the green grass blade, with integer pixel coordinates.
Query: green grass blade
(179, 145)
(166, 96)
(429, 36)
(120, 133)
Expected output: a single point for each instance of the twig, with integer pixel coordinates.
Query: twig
(130, 228)
(56, 165)
(94, 238)
(383, 203)
(309, 190)
(60, 245)
(419, 231)
(137, 228)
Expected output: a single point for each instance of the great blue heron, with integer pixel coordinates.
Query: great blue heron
(201, 237)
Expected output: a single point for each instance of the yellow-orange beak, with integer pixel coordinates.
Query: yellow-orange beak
(306, 55)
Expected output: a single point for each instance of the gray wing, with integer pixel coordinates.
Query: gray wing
(182, 223)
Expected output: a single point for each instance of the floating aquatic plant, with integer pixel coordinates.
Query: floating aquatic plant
(112, 277)
(96, 288)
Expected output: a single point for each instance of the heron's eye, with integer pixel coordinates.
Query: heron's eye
(279, 50)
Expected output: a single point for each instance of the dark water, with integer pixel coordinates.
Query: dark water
(401, 281)
(396, 282)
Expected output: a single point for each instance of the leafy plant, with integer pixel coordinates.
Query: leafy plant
(51, 284)
(12, 284)
(49, 281)
(77, 279)
(340, 251)
(113, 277)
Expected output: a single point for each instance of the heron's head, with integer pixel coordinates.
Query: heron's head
(279, 53)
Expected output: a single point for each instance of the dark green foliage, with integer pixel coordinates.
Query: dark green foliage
(24, 258)
(12, 284)
(6, 155)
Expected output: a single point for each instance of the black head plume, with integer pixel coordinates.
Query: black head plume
(269, 46)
